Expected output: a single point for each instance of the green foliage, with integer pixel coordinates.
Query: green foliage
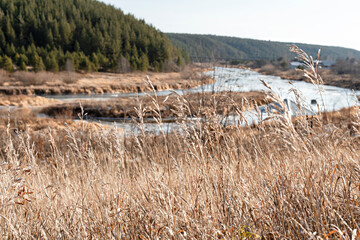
(51, 63)
(179, 62)
(210, 47)
(92, 34)
(143, 62)
(301, 67)
(22, 67)
(7, 64)
(38, 64)
(284, 64)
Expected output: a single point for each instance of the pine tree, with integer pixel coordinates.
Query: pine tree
(50, 38)
(51, 64)
(81, 27)
(144, 62)
(95, 61)
(7, 64)
(23, 67)
(2, 39)
(9, 31)
(85, 64)
(134, 63)
(180, 62)
(77, 47)
(38, 64)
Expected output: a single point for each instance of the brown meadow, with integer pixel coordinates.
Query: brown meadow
(281, 179)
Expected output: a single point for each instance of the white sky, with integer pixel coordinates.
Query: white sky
(323, 22)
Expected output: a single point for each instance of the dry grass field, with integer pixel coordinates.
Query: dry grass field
(46, 83)
(281, 179)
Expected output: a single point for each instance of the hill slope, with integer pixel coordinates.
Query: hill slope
(90, 33)
(211, 46)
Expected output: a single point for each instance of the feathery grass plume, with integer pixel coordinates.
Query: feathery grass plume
(278, 179)
(311, 67)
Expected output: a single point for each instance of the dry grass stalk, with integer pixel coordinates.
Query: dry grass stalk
(286, 179)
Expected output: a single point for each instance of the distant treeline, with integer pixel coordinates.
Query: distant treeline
(201, 47)
(81, 34)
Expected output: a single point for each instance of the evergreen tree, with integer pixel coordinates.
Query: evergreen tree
(23, 66)
(7, 64)
(38, 64)
(85, 64)
(2, 39)
(95, 34)
(51, 64)
(179, 62)
(134, 63)
(95, 61)
(144, 63)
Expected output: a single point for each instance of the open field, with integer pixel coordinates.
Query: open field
(281, 179)
(45, 83)
(284, 178)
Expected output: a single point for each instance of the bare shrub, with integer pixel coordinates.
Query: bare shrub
(123, 65)
(171, 66)
(70, 76)
(268, 68)
(187, 73)
(32, 78)
(4, 77)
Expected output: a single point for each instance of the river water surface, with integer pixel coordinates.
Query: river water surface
(327, 98)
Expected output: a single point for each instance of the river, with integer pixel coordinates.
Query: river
(324, 98)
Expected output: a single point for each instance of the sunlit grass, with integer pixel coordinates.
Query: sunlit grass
(286, 178)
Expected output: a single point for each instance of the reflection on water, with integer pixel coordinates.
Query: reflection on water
(329, 98)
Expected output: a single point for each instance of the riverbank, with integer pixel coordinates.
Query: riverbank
(22, 83)
(328, 76)
(25, 101)
(26, 120)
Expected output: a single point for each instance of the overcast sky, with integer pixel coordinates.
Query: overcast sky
(323, 22)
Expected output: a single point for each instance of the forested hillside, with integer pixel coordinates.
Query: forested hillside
(215, 47)
(85, 34)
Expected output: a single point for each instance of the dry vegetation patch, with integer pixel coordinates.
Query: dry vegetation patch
(270, 181)
(25, 101)
(46, 83)
(281, 179)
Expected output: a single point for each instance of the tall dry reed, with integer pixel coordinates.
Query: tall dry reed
(281, 179)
